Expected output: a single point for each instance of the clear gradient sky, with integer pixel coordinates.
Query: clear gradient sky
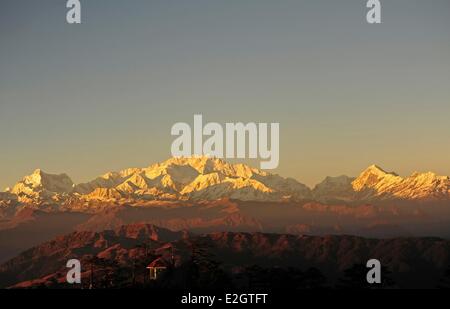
(101, 96)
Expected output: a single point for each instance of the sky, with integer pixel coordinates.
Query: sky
(103, 95)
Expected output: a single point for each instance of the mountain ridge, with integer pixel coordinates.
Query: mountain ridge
(208, 178)
(132, 247)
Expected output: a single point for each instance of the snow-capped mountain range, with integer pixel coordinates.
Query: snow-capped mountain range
(205, 178)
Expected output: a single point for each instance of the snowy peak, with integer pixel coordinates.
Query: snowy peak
(375, 177)
(375, 170)
(207, 178)
(426, 185)
(41, 186)
(203, 177)
(40, 180)
(55, 183)
(197, 178)
(206, 165)
(334, 189)
(375, 183)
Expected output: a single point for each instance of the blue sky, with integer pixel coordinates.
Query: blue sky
(100, 96)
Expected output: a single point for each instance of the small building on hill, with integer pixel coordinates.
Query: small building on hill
(156, 267)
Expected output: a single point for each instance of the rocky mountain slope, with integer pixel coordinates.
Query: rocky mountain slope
(29, 227)
(413, 262)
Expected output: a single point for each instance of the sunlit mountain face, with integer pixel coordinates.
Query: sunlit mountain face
(209, 179)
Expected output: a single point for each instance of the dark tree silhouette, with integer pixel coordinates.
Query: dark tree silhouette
(105, 273)
(282, 278)
(313, 279)
(444, 282)
(355, 277)
(203, 270)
